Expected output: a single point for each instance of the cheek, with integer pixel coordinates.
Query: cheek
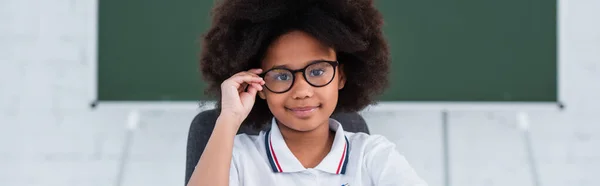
(328, 95)
(332, 94)
(275, 101)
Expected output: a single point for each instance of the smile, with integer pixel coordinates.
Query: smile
(303, 112)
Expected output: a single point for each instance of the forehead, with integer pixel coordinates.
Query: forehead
(295, 50)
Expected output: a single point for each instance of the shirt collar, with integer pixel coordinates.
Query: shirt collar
(281, 158)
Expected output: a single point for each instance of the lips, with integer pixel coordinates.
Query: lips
(303, 108)
(303, 111)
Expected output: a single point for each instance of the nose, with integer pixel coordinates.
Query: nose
(301, 89)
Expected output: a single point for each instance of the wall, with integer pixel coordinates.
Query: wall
(49, 136)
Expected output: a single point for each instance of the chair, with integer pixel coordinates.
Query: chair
(203, 124)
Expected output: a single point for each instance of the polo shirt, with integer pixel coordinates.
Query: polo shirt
(355, 159)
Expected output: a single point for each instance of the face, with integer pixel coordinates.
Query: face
(303, 107)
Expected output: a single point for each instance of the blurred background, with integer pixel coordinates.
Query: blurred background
(484, 63)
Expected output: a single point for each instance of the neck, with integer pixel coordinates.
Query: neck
(309, 147)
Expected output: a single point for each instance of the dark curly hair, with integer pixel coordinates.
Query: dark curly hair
(241, 31)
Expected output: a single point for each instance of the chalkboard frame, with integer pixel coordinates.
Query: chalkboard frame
(384, 105)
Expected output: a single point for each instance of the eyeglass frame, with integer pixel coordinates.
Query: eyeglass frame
(334, 64)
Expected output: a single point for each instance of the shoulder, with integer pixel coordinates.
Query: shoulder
(372, 149)
(369, 142)
(243, 141)
(245, 145)
(382, 161)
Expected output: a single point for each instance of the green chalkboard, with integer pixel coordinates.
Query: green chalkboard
(466, 50)
(148, 49)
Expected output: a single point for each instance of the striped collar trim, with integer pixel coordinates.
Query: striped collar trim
(282, 160)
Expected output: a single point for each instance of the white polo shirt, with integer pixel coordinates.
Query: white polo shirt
(355, 159)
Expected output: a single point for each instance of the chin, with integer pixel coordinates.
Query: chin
(304, 124)
(303, 127)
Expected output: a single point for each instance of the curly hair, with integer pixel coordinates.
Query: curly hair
(241, 31)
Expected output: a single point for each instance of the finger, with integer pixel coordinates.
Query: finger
(252, 91)
(247, 74)
(239, 80)
(258, 87)
(240, 87)
(252, 72)
(255, 71)
(248, 97)
(243, 87)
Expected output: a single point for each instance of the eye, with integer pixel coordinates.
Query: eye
(278, 75)
(317, 72)
(282, 77)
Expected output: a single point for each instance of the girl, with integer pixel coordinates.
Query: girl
(291, 64)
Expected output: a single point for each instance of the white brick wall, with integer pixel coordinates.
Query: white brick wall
(48, 135)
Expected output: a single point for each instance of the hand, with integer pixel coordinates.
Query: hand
(235, 100)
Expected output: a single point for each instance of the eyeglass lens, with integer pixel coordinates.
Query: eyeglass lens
(317, 74)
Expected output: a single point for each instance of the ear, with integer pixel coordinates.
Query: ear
(342, 77)
(261, 94)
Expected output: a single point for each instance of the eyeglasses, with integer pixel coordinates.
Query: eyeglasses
(318, 74)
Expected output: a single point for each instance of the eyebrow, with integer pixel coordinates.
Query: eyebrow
(280, 66)
(311, 61)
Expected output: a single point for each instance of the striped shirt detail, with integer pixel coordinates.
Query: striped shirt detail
(276, 167)
(271, 153)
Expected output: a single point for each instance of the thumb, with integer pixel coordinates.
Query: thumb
(249, 97)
